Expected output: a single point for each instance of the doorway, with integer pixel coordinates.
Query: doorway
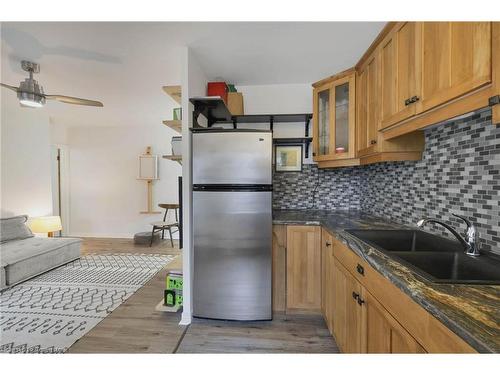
(60, 185)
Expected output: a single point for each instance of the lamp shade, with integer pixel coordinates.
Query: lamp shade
(45, 224)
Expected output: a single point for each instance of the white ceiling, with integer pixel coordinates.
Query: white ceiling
(125, 64)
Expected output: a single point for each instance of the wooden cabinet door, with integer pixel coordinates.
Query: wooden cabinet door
(367, 122)
(303, 267)
(400, 73)
(346, 311)
(279, 267)
(334, 118)
(327, 278)
(381, 333)
(456, 60)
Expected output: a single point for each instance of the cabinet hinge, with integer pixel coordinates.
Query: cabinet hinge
(494, 100)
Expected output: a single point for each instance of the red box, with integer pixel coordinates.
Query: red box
(217, 89)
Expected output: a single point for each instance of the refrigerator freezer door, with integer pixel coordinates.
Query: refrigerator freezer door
(232, 158)
(232, 255)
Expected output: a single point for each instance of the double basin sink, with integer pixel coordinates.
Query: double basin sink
(435, 258)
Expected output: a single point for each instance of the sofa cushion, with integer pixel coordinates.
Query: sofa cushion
(26, 258)
(14, 228)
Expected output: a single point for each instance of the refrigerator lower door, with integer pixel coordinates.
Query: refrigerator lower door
(232, 255)
(232, 157)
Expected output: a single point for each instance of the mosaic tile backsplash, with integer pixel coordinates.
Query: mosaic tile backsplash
(459, 173)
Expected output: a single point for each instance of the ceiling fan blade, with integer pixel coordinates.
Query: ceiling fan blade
(13, 88)
(73, 100)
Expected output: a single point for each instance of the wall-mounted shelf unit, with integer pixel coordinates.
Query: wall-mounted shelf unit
(216, 112)
(306, 141)
(174, 124)
(177, 158)
(211, 107)
(174, 92)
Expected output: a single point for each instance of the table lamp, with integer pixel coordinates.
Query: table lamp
(45, 224)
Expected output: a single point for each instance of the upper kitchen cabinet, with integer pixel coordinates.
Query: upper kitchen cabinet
(371, 147)
(456, 60)
(334, 120)
(433, 71)
(399, 73)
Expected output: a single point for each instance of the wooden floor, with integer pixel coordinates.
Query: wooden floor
(135, 326)
(290, 334)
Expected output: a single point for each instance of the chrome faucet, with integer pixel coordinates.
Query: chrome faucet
(470, 242)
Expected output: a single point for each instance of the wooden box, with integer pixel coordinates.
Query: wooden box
(235, 103)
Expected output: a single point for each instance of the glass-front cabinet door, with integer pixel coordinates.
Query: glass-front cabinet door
(334, 121)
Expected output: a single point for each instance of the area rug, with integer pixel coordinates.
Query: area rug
(48, 313)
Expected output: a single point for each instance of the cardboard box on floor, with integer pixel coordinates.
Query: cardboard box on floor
(235, 103)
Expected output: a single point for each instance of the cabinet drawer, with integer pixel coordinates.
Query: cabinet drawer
(353, 263)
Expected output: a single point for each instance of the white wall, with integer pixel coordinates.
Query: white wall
(279, 99)
(105, 196)
(25, 160)
(193, 84)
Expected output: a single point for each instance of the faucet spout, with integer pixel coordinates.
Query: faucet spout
(471, 241)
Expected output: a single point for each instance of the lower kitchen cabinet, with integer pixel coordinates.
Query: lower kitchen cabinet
(347, 317)
(361, 323)
(380, 332)
(327, 275)
(303, 267)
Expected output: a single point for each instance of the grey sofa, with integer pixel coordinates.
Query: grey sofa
(23, 256)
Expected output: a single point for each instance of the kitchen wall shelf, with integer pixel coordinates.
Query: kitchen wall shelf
(216, 112)
(174, 92)
(174, 124)
(177, 158)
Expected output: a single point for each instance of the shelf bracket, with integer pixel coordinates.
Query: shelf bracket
(235, 123)
(271, 123)
(306, 147)
(306, 130)
(196, 114)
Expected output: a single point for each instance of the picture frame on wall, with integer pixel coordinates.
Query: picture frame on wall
(288, 158)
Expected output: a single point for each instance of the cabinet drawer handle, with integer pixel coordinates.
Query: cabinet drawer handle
(328, 244)
(407, 101)
(373, 142)
(360, 269)
(360, 301)
(355, 296)
(414, 99)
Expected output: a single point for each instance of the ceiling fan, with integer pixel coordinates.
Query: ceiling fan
(30, 93)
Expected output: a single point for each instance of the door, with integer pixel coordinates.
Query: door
(368, 108)
(303, 267)
(400, 73)
(232, 157)
(232, 255)
(381, 333)
(346, 311)
(456, 60)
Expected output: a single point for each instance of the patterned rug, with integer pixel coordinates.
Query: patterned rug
(48, 313)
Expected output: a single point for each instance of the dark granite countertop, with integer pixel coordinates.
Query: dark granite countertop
(470, 311)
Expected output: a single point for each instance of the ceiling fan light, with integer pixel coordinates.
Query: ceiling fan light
(31, 103)
(30, 99)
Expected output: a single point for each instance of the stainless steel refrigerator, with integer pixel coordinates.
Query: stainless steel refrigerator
(232, 223)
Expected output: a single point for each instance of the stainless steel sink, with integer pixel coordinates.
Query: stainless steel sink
(435, 258)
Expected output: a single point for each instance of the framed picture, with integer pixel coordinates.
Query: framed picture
(288, 158)
(148, 167)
